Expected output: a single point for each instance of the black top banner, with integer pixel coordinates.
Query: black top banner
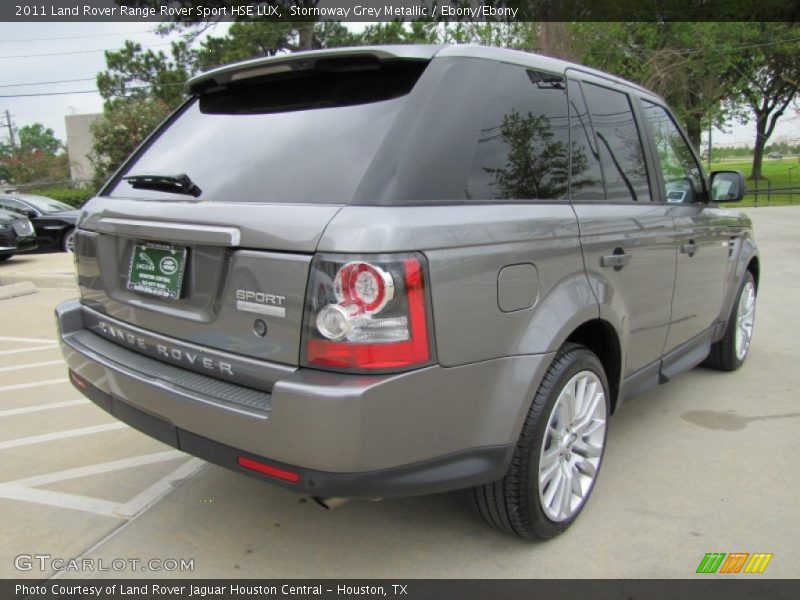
(400, 10)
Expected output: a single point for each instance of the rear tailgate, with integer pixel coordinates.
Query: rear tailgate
(226, 286)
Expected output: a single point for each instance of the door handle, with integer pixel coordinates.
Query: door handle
(617, 260)
(691, 248)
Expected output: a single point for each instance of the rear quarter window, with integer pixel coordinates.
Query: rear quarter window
(522, 150)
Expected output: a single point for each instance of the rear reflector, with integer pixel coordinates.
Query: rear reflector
(269, 470)
(77, 381)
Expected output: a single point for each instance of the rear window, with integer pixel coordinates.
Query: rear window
(299, 137)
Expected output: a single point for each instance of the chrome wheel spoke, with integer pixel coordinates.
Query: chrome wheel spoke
(587, 450)
(553, 487)
(585, 467)
(587, 416)
(565, 495)
(549, 458)
(591, 427)
(576, 483)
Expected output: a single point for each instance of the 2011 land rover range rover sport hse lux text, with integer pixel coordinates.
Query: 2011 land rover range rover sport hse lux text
(391, 271)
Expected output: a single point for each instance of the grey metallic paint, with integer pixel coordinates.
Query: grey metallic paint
(490, 361)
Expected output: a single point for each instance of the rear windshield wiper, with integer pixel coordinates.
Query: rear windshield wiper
(173, 184)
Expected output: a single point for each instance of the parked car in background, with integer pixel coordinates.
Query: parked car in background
(774, 155)
(53, 221)
(16, 235)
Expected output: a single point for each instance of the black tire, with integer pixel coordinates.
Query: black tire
(5, 257)
(68, 240)
(513, 503)
(722, 356)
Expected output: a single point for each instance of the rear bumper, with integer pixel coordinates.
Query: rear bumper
(426, 431)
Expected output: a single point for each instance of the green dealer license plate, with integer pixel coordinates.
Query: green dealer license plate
(157, 269)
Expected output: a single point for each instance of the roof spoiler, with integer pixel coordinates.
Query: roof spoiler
(285, 63)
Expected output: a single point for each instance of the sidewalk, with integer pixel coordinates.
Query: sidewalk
(46, 270)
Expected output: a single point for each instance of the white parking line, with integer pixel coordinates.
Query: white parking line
(73, 501)
(5, 338)
(113, 465)
(158, 490)
(30, 409)
(31, 340)
(23, 489)
(60, 435)
(32, 365)
(21, 350)
(32, 384)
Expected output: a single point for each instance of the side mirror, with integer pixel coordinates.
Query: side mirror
(29, 212)
(727, 186)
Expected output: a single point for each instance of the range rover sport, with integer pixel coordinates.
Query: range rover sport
(392, 271)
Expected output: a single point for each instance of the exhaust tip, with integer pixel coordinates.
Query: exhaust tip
(329, 503)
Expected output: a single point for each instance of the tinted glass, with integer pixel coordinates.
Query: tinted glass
(682, 179)
(618, 144)
(587, 177)
(306, 141)
(521, 153)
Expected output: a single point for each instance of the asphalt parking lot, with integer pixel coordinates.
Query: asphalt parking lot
(706, 463)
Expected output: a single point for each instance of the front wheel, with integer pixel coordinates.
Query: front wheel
(729, 353)
(5, 257)
(557, 459)
(68, 241)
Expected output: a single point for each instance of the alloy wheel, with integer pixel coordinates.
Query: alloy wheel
(573, 446)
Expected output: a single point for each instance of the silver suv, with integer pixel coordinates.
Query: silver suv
(392, 271)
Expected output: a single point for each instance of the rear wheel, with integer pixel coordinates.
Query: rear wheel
(5, 257)
(558, 455)
(729, 353)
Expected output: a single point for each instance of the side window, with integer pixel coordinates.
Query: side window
(521, 153)
(587, 178)
(682, 178)
(618, 144)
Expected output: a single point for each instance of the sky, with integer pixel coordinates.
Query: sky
(78, 54)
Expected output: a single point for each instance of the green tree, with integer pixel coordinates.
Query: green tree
(39, 157)
(123, 126)
(38, 138)
(692, 65)
(770, 80)
(145, 74)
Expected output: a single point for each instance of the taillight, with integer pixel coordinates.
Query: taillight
(368, 313)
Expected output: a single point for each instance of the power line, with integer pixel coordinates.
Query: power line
(79, 51)
(73, 37)
(5, 85)
(51, 94)
(138, 87)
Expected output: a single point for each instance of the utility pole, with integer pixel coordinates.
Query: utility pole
(10, 130)
(710, 127)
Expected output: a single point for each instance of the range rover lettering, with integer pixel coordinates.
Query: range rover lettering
(393, 271)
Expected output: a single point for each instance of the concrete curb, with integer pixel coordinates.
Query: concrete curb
(13, 290)
(49, 280)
